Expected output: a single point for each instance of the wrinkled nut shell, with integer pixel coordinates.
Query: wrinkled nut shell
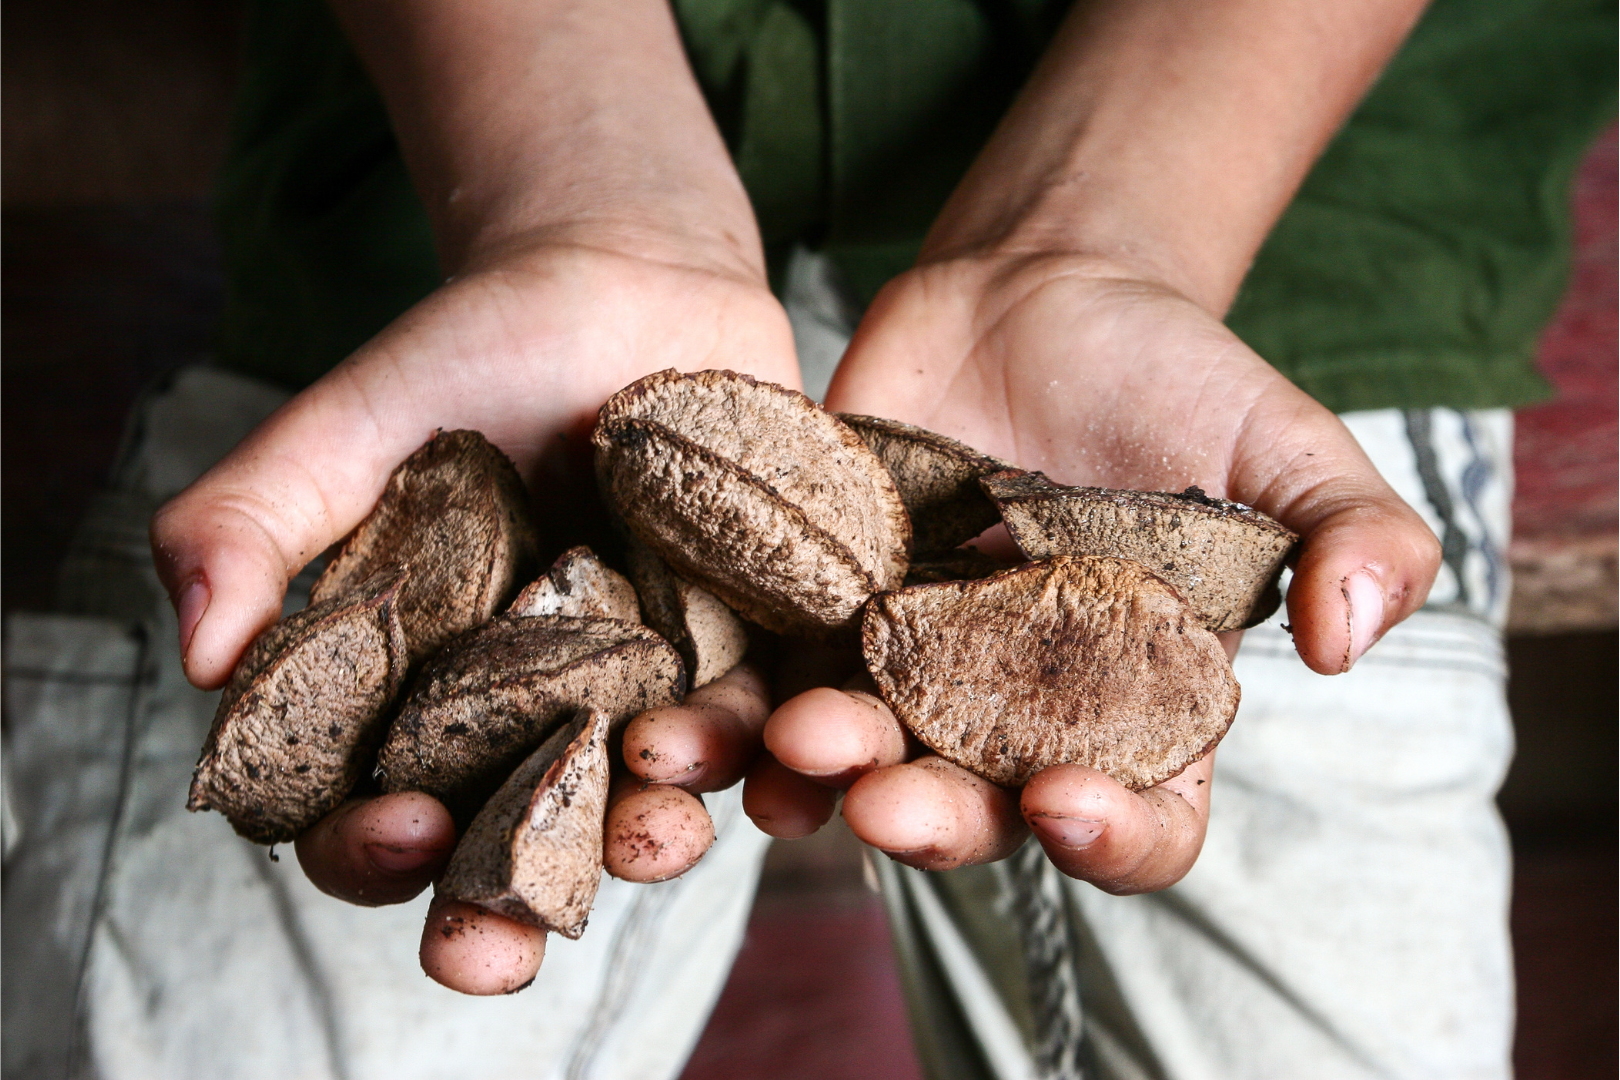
(1224, 557)
(302, 714)
(580, 586)
(938, 479)
(754, 493)
(1077, 660)
(534, 852)
(457, 514)
(483, 704)
(707, 634)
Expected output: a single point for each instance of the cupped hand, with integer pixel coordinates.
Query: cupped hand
(525, 348)
(1095, 376)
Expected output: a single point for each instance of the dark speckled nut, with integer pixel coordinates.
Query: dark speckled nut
(534, 852)
(756, 494)
(493, 695)
(1092, 661)
(1224, 557)
(303, 713)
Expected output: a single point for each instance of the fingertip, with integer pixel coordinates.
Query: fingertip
(473, 951)
(378, 851)
(933, 814)
(783, 803)
(835, 736)
(654, 833)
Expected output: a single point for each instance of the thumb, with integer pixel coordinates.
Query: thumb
(226, 547)
(1366, 560)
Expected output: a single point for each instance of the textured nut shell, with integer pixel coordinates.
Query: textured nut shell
(1078, 660)
(534, 852)
(708, 635)
(456, 513)
(755, 493)
(302, 714)
(490, 697)
(1222, 556)
(938, 479)
(580, 586)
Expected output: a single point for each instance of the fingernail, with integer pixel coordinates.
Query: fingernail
(1366, 599)
(1069, 832)
(190, 605)
(399, 860)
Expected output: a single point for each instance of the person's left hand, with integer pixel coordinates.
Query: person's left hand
(1095, 376)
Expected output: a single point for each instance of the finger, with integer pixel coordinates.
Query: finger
(934, 815)
(478, 952)
(653, 832)
(226, 547)
(784, 804)
(1095, 829)
(378, 851)
(706, 742)
(835, 736)
(1366, 560)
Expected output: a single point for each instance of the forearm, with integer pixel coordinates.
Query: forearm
(569, 120)
(1168, 135)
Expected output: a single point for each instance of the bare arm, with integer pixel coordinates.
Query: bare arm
(1064, 314)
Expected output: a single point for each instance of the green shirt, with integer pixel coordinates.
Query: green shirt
(1416, 267)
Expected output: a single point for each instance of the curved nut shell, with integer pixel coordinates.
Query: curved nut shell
(938, 479)
(580, 586)
(708, 635)
(1224, 557)
(755, 493)
(457, 514)
(1087, 660)
(303, 713)
(534, 852)
(490, 697)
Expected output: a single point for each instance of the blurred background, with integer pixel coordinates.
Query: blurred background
(115, 115)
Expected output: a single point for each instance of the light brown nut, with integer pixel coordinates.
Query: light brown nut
(457, 514)
(708, 635)
(534, 852)
(756, 494)
(1224, 557)
(580, 586)
(303, 713)
(963, 564)
(484, 703)
(938, 479)
(1076, 660)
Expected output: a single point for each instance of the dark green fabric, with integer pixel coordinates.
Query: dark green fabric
(1423, 255)
(1430, 245)
(325, 240)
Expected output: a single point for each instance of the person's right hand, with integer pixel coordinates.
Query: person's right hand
(524, 348)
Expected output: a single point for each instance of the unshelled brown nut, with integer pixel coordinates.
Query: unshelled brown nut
(534, 852)
(938, 479)
(490, 697)
(1073, 660)
(754, 493)
(303, 713)
(1224, 557)
(581, 586)
(456, 513)
(707, 634)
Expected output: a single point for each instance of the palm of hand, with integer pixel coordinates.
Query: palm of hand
(1092, 379)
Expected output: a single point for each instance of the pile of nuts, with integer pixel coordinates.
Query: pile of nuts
(739, 500)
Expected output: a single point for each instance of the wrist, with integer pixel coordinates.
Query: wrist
(1168, 136)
